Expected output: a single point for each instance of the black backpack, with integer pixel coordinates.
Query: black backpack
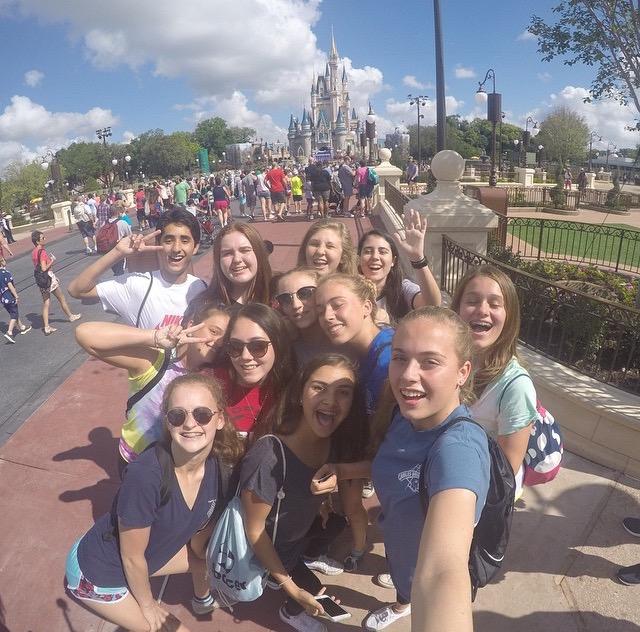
(491, 534)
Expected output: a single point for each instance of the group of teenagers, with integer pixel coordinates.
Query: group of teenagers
(334, 376)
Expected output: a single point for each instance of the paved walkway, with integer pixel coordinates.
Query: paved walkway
(58, 473)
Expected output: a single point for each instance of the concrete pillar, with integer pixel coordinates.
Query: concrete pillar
(524, 176)
(591, 181)
(387, 173)
(450, 212)
(61, 213)
(128, 197)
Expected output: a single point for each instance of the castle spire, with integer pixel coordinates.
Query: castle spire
(334, 50)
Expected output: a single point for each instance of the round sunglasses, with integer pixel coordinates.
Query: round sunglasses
(257, 348)
(304, 293)
(202, 415)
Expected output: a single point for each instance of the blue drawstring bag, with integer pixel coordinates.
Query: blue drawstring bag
(235, 572)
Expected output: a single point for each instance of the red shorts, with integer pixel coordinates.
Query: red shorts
(221, 205)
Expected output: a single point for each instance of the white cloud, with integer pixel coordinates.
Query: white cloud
(33, 77)
(464, 73)
(525, 36)
(411, 82)
(544, 76)
(401, 114)
(128, 136)
(24, 124)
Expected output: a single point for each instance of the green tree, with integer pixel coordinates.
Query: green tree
(81, 161)
(604, 34)
(564, 135)
(214, 134)
(22, 182)
(158, 154)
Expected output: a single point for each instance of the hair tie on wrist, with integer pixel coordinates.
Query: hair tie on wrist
(422, 263)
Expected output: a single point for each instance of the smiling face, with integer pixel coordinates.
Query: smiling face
(482, 306)
(425, 373)
(300, 312)
(203, 352)
(249, 369)
(326, 399)
(324, 251)
(238, 261)
(191, 437)
(341, 312)
(376, 260)
(178, 247)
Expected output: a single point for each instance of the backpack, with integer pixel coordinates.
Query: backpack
(107, 237)
(491, 534)
(372, 176)
(235, 572)
(543, 457)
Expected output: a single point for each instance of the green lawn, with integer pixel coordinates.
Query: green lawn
(580, 245)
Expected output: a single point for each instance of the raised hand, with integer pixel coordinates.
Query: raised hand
(137, 242)
(171, 336)
(410, 240)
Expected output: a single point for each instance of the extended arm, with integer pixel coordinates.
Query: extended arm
(441, 589)
(514, 446)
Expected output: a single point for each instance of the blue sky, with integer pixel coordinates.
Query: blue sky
(72, 66)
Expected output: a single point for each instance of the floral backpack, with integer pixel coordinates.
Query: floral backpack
(545, 448)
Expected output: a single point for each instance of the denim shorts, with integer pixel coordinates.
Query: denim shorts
(81, 588)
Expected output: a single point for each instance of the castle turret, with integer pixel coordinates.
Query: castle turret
(292, 129)
(306, 133)
(339, 132)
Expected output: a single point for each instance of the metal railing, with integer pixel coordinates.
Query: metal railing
(591, 335)
(575, 242)
(396, 198)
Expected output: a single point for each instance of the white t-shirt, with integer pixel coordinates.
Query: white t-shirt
(409, 291)
(165, 304)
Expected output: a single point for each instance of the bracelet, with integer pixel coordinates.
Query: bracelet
(422, 263)
(155, 337)
(285, 581)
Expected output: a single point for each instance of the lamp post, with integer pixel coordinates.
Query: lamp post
(370, 127)
(611, 146)
(127, 160)
(441, 111)
(103, 134)
(526, 136)
(494, 115)
(419, 101)
(114, 162)
(516, 144)
(593, 135)
(49, 159)
(540, 148)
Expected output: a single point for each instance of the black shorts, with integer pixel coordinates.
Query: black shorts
(86, 229)
(297, 198)
(277, 197)
(140, 215)
(12, 308)
(322, 195)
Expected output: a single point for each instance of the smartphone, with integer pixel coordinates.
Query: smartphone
(325, 478)
(332, 610)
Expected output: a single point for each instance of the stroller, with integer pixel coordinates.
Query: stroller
(208, 228)
(336, 196)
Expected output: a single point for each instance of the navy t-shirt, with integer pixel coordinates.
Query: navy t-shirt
(138, 505)
(374, 368)
(457, 459)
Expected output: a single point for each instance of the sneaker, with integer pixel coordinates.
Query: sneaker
(10, 338)
(629, 575)
(88, 251)
(74, 317)
(302, 622)
(632, 526)
(204, 606)
(272, 583)
(384, 580)
(368, 490)
(384, 617)
(49, 330)
(352, 560)
(26, 330)
(324, 565)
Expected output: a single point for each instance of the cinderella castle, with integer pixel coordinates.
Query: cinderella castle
(331, 125)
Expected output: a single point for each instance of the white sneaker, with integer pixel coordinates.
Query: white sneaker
(203, 607)
(384, 580)
(384, 617)
(368, 490)
(302, 622)
(324, 565)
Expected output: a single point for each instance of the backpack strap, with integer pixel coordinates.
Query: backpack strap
(144, 300)
(422, 488)
(167, 469)
(280, 495)
(508, 384)
(151, 384)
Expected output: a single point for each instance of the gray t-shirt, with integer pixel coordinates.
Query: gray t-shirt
(409, 291)
(261, 473)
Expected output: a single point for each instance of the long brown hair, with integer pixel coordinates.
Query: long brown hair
(493, 360)
(348, 263)
(226, 445)
(258, 289)
(463, 344)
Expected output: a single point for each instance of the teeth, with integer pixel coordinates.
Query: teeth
(480, 325)
(411, 394)
(325, 418)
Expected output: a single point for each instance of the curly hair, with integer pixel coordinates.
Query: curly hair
(348, 263)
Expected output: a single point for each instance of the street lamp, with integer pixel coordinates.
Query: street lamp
(49, 159)
(103, 134)
(127, 160)
(494, 115)
(419, 101)
(517, 149)
(611, 146)
(593, 135)
(526, 136)
(370, 128)
(540, 148)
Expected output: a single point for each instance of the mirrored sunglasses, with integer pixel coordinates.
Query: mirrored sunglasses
(202, 415)
(304, 293)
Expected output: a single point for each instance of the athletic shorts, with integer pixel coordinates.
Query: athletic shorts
(221, 205)
(365, 191)
(297, 198)
(322, 195)
(12, 308)
(81, 588)
(86, 229)
(278, 197)
(140, 215)
(264, 194)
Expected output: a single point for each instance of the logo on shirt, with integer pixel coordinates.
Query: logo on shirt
(411, 478)
(170, 320)
(212, 507)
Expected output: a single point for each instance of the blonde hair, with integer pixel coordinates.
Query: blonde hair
(499, 354)
(463, 344)
(348, 263)
(305, 269)
(363, 288)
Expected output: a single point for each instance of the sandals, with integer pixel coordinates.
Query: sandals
(49, 330)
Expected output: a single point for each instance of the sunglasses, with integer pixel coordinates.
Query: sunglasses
(257, 348)
(304, 293)
(203, 415)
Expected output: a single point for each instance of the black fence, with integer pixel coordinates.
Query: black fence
(575, 242)
(396, 198)
(591, 335)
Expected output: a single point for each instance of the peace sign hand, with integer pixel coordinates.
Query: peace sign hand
(410, 239)
(171, 336)
(137, 242)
